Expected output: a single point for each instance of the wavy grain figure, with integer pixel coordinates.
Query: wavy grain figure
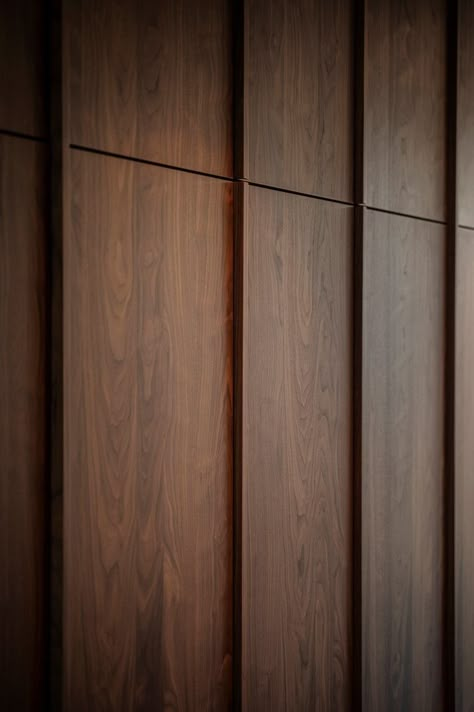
(297, 510)
(148, 439)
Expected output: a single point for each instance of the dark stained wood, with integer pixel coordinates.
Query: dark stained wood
(148, 439)
(405, 106)
(297, 498)
(402, 463)
(464, 458)
(153, 80)
(22, 422)
(466, 113)
(299, 96)
(23, 54)
(240, 219)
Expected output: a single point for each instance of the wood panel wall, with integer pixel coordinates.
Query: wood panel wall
(23, 354)
(148, 403)
(464, 481)
(23, 62)
(296, 464)
(298, 89)
(466, 114)
(405, 107)
(267, 402)
(22, 421)
(402, 463)
(152, 80)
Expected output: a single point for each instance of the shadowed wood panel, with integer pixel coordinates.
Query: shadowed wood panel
(299, 96)
(464, 454)
(148, 420)
(405, 106)
(153, 80)
(23, 53)
(297, 491)
(402, 464)
(466, 113)
(22, 422)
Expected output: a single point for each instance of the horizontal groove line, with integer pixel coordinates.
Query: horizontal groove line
(466, 227)
(27, 137)
(147, 162)
(405, 215)
(289, 191)
(254, 184)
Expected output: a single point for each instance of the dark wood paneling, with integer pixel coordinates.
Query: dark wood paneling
(23, 54)
(402, 463)
(464, 459)
(153, 80)
(466, 113)
(297, 495)
(148, 441)
(299, 96)
(22, 422)
(405, 106)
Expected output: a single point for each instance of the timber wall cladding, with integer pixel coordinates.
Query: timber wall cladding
(297, 494)
(148, 438)
(22, 420)
(153, 80)
(23, 298)
(336, 317)
(402, 463)
(405, 107)
(464, 480)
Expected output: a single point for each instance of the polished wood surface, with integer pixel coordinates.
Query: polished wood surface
(298, 115)
(23, 59)
(22, 422)
(466, 113)
(405, 106)
(402, 464)
(296, 454)
(464, 417)
(153, 80)
(148, 439)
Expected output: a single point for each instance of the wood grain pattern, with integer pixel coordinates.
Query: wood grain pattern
(296, 521)
(299, 96)
(148, 439)
(464, 459)
(23, 53)
(402, 464)
(153, 80)
(22, 422)
(465, 128)
(405, 106)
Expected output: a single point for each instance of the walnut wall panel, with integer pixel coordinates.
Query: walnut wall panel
(402, 463)
(23, 53)
(148, 403)
(298, 115)
(296, 453)
(405, 106)
(22, 421)
(466, 113)
(153, 80)
(464, 547)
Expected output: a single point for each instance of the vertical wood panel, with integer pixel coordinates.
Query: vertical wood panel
(464, 453)
(296, 454)
(402, 464)
(22, 422)
(466, 113)
(405, 106)
(153, 80)
(299, 89)
(23, 54)
(148, 419)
